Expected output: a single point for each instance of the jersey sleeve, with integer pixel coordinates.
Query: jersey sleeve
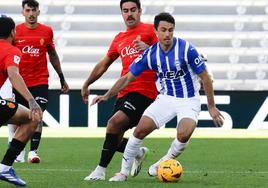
(140, 64)
(13, 58)
(51, 43)
(112, 52)
(195, 60)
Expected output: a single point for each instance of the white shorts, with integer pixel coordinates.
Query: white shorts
(165, 108)
(6, 90)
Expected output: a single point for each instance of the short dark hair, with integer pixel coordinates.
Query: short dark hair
(138, 3)
(30, 3)
(163, 16)
(7, 25)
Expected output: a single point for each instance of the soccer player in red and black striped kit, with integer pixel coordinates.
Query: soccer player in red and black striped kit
(134, 99)
(35, 40)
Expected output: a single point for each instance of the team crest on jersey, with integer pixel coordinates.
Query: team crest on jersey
(16, 59)
(42, 41)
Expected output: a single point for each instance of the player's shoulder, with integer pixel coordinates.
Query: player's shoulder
(45, 27)
(119, 36)
(13, 50)
(180, 40)
(149, 25)
(184, 43)
(20, 27)
(10, 50)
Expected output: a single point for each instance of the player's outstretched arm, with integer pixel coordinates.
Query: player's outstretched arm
(208, 88)
(96, 73)
(55, 61)
(118, 86)
(19, 84)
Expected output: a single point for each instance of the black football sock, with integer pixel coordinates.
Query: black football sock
(35, 141)
(108, 150)
(12, 152)
(121, 147)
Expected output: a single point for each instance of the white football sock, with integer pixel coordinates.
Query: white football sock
(4, 168)
(139, 153)
(11, 131)
(132, 148)
(174, 151)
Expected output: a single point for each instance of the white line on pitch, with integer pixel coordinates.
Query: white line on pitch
(188, 172)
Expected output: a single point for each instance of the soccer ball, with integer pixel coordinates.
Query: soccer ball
(169, 171)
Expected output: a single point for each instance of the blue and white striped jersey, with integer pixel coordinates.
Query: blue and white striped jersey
(176, 69)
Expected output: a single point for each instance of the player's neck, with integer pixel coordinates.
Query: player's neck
(166, 48)
(31, 26)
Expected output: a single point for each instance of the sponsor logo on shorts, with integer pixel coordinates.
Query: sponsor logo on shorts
(41, 100)
(129, 106)
(11, 105)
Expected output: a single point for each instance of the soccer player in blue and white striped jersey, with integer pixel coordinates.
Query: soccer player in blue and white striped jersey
(179, 69)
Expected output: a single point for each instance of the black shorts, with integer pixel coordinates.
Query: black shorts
(7, 110)
(40, 94)
(133, 105)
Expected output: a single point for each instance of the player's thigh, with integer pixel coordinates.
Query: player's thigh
(118, 123)
(7, 110)
(21, 116)
(40, 94)
(161, 110)
(146, 126)
(187, 117)
(132, 106)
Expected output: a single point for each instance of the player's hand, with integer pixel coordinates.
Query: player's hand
(65, 87)
(35, 111)
(139, 45)
(85, 93)
(98, 99)
(217, 117)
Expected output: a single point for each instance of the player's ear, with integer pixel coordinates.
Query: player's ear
(156, 33)
(13, 33)
(38, 12)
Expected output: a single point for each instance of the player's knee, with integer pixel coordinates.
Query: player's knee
(183, 138)
(34, 124)
(113, 126)
(140, 134)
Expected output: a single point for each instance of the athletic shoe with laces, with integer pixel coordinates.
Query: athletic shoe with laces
(136, 167)
(118, 177)
(152, 171)
(33, 157)
(11, 177)
(95, 175)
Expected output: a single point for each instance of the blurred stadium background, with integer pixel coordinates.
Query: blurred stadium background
(232, 33)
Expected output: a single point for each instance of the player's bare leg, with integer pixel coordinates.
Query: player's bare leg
(145, 127)
(116, 128)
(184, 132)
(22, 135)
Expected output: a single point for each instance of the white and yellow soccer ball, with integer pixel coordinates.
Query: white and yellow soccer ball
(169, 171)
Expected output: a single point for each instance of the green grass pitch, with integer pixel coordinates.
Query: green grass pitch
(207, 163)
